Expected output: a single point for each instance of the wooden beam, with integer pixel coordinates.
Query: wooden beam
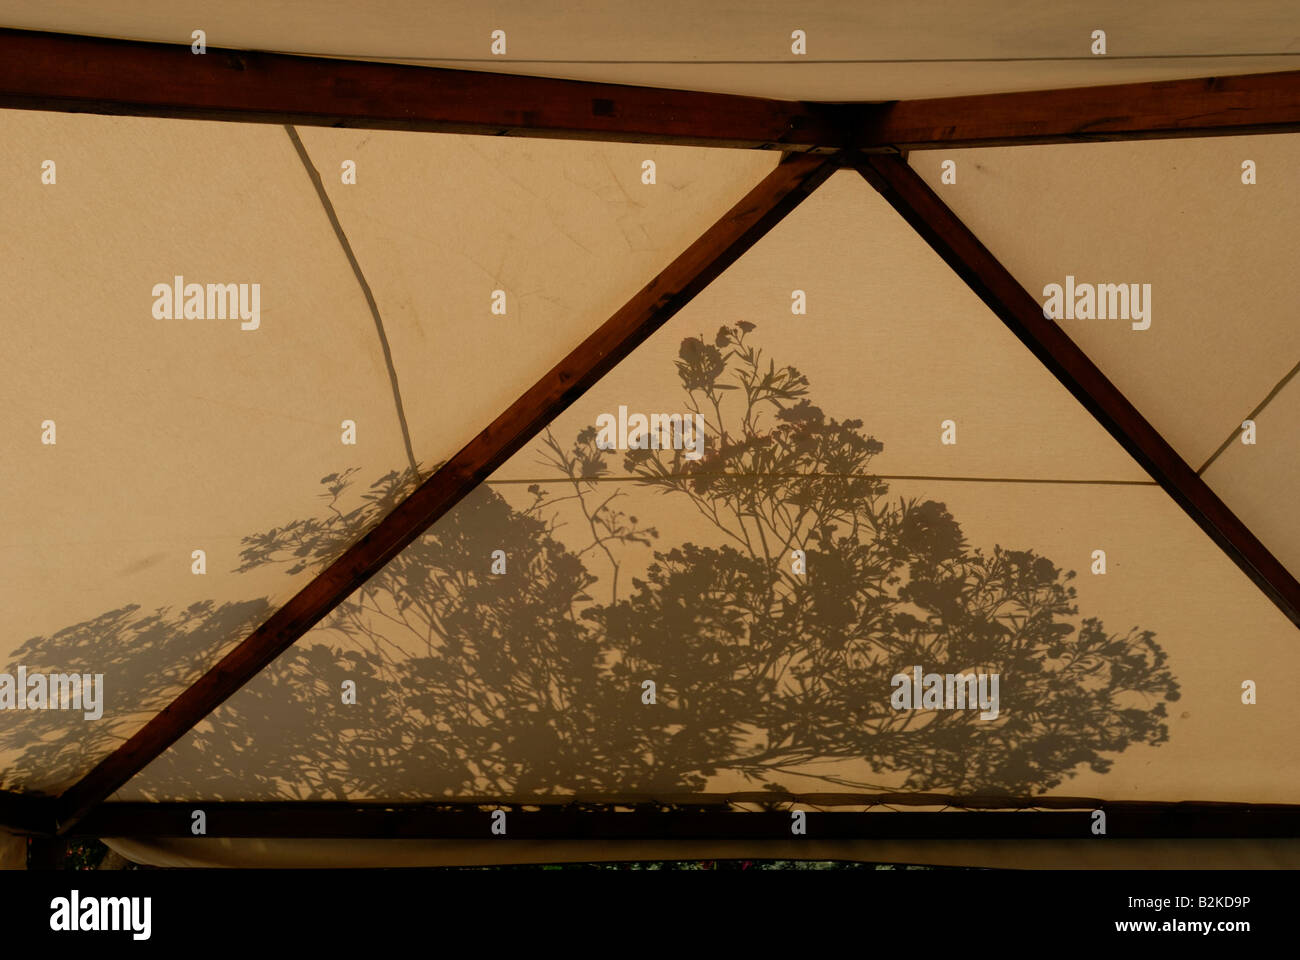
(50, 71)
(62, 72)
(739, 229)
(907, 193)
(1207, 107)
(555, 820)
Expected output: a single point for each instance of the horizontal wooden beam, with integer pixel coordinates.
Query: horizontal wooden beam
(559, 820)
(61, 72)
(50, 71)
(907, 193)
(740, 228)
(1211, 106)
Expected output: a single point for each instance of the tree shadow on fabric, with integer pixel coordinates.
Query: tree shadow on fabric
(146, 657)
(533, 680)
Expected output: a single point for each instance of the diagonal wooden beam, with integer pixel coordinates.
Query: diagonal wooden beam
(50, 71)
(1210, 106)
(907, 193)
(739, 229)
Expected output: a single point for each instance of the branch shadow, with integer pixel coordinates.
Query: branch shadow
(470, 682)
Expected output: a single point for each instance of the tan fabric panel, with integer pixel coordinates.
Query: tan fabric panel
(1173, 214)
(1014, 38)
(1259, 481)
(451, 726)
(170, 435)
(470, 682)
(890, 335)
(1269, 854)
(1217, 254)
(177, 435)
(566, 230)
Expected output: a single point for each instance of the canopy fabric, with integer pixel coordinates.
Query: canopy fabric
(452, 696)
(179, 435)
(855, 51)
(812, 497)
(1176, 215)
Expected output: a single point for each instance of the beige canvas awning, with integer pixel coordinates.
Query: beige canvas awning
(897, 461)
